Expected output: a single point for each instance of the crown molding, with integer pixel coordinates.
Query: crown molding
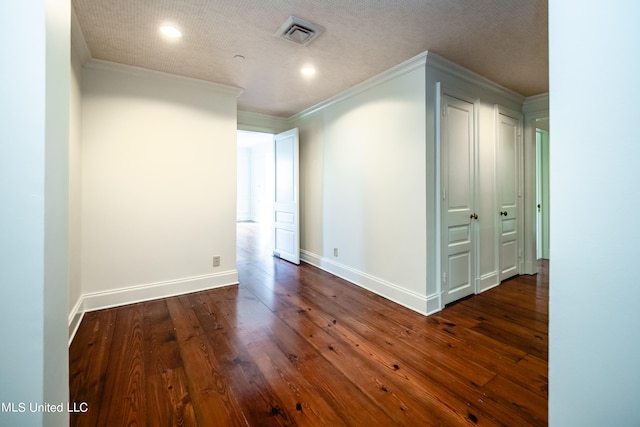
(439, 63)
(536, 103)
(258, 122)
(428, 59)
(416, 62)
(98, 64)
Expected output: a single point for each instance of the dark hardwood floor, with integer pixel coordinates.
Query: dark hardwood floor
(296, 346)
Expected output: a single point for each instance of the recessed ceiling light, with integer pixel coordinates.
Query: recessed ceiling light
(239, 58)
(308, 71)
(170, 31)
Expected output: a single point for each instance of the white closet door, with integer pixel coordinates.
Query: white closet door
(509, 195)
(458, 199)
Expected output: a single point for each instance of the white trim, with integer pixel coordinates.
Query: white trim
(133, 294)
(536, 103)
(437, 159)
(75, 317)
(514, 114)
(427, 58)
(488, 281)
(396, 71)
(406, 298)
(99, 64)
(434, 303)
(118, 297)
(439, 63)
(529, 268)
(535, 108)
(257, 122)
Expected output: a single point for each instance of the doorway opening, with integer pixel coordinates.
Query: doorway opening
(255, 193)
(542, 188)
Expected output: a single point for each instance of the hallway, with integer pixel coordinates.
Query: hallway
(293, 345)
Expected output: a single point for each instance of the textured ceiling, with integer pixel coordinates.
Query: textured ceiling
(503, 40)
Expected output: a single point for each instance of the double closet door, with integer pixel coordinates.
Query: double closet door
(460, 215)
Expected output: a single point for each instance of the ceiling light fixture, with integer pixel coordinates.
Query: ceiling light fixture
(308, 71)
(170, 31)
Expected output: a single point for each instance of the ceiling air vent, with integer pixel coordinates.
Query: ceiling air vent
(299, 31)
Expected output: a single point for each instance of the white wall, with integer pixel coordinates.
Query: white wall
(34, 123)
(363, 187)
(311, 154)
(369, 179)
(158, 184)
(594, 350)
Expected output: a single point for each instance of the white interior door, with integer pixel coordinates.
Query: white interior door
(509, 195)
(286, 204)
(457, 166)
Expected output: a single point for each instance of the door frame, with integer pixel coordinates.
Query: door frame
(441, 91)
(542, 194)
(530, 261)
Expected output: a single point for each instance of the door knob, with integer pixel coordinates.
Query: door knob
(504, 213)
(474, 216)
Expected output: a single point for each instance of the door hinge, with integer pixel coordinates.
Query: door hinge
(444, 278)
(444, 194)
(519, 131)
(444, 110)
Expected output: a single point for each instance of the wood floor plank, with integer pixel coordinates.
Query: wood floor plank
(450, 322)
(530, 408)
(260, 403)
(88, 357)
(365, 367)
(209, 387)
(293, 351)
(124, 399)
(447, 382)
(297, 346)
(529, 341)
(344, 397)
(535, 364)
(169, 401)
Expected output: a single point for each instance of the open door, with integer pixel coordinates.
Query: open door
(286, 204)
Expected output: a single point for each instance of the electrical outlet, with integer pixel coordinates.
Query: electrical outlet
(216, 261)
(335, 252)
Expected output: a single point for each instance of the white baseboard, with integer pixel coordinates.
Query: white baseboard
(75, 317)
(528, 267)
(133, 294)
(405, 297)
(434, 303)
(488, 281)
